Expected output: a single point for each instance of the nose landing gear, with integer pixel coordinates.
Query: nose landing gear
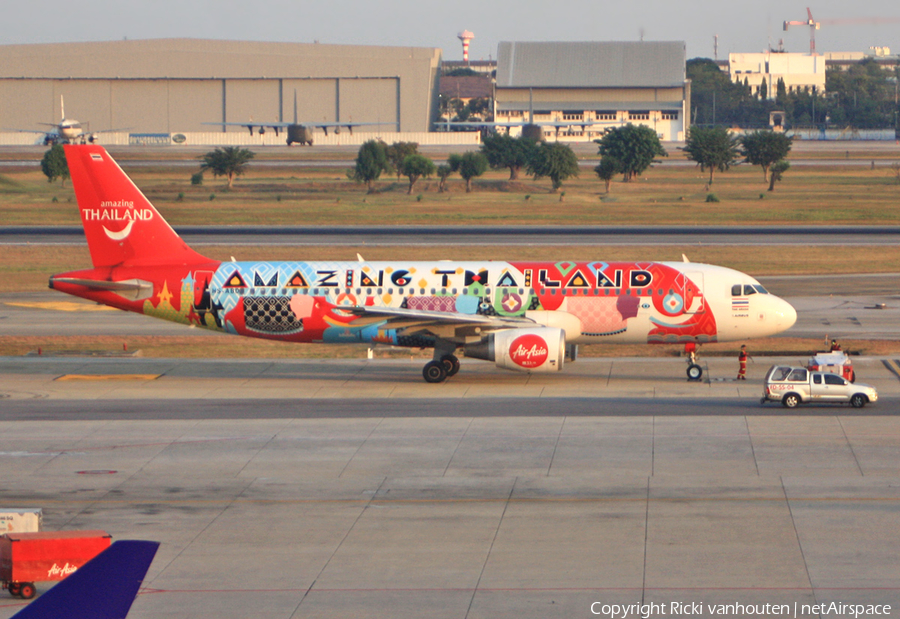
(694, 370)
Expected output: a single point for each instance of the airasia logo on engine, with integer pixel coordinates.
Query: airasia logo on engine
(528, 351)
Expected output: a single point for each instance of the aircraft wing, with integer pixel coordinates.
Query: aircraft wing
(42, 132)
(250, 125)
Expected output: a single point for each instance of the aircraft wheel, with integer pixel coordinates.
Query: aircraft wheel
(694, 372)
(451, 363)
(434, 372)
(27, 591)
(15, 589)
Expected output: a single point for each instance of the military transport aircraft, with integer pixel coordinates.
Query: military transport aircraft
(527, 316)
(297, 132)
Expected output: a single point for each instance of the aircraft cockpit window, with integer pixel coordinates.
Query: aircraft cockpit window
(736, 290)
(798, 376)
(760, 289)
(748, 290)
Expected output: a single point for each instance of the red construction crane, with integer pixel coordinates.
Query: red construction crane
(813, 26)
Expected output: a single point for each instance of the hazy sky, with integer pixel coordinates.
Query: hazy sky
(742, 27)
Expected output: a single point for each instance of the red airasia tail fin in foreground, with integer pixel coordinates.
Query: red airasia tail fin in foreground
(121, 225)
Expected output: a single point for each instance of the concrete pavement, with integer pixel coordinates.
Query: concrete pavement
(453, 514)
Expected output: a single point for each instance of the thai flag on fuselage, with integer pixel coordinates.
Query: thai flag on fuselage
(740, 303)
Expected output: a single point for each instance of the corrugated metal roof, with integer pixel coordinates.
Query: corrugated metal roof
(506, 106)
(206, 58)
(590, 64)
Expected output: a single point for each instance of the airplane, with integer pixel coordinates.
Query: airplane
(521, 315)
(297, 132)
(67, 130)
(102, 588)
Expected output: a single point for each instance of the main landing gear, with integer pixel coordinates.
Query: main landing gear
(441, 368)
(694, 371)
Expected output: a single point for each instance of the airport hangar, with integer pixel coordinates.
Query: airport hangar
(170, 86)
(602, 84)
(153, 90)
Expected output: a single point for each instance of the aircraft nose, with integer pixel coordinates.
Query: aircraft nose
(786, 315)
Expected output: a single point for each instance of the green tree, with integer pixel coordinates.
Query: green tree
(504, 151)
(371, 161)
(633, 146)
(398, 151)
(713, 148)
(763, 148)
(227, 161)
(554, 160)
(778, 169)
(462, 72)
(54, 164)
(414, 167)
(443, 172)
(715, 99)
(470, 165)
(607, 169)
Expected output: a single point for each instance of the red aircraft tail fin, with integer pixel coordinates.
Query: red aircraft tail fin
(121, 225)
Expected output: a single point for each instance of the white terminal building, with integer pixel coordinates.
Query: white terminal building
(596, 85)
(799, 71)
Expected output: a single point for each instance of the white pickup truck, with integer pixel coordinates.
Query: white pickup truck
(793, 385)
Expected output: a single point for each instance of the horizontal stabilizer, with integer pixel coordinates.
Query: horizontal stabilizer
(134, 289)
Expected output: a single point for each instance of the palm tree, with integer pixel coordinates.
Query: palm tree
(227, 161)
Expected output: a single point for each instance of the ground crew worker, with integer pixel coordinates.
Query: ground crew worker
(742, 359)
(835, 347)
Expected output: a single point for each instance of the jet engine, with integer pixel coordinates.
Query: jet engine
(538, 349)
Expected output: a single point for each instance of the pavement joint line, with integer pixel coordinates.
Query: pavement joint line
(154, 590)
(893, 365)
(103, 377)
(522, 500)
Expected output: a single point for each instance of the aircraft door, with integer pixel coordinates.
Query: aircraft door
(689, 285)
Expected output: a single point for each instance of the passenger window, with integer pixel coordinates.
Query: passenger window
(736, 290)
(834, 379)
(798, 375)
(748, 290)
(817, 379)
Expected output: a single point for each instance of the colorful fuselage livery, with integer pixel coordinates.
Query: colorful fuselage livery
(521, 315)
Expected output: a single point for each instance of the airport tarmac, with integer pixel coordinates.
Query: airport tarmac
(350, 488)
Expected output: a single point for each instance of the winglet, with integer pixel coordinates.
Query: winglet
(103, 588)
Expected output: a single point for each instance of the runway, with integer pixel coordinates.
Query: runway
(374, 236)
